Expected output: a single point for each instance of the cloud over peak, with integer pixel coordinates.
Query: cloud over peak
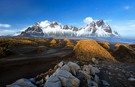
(88, 20)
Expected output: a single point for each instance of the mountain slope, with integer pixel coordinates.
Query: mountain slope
(54, 29)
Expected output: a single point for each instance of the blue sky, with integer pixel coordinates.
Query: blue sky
(16, 15)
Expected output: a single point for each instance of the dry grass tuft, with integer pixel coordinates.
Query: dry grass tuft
(117, 46)
(125, 53)
(90, 48)
(12, 42)
(53, 42)
(27, 42)
(105, 45)
(68, 42)
(39, 40)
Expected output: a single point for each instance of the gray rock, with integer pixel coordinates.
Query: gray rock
(65, 67)
(22, 83)
(87, 69)
(94, 60)
(94, 84)
(87, 77)
(63, 73)
(53, 81)
(47, 77)
(96, 79)
(96, 70)
(67, 79)
(92, 70)
(60, 64)
(73, 67)
(74, 82)
(32, 80)
(131, 79)
(105, 83)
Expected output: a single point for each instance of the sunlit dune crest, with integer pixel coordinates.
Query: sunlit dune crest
(90, 48)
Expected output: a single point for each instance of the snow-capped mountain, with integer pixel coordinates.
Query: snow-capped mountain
(54, 29)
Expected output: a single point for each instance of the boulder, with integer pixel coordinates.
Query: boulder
(63, 73)
(47, 77)
(94, 84)
(86, 69)
(105, 83)
(93, 70)
(87, 78)
(60, 64)
(65, 67)
(67, 79)
(73, 82)
(131, 79)
(96, 79)
(73, 67)
(53, 81)
(96, 70)
(22, 83)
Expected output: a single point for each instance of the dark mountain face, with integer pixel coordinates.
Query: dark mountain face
(35, 30)
(106, 27)
(100, 23)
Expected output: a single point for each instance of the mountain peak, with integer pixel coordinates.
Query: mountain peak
(54, 29)
(100, 23)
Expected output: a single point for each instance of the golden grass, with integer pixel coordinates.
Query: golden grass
(90, 48)
(9, 42)
(105, 45)
(13, 42)
(27, 42)
(125, 45)
(53, 42)
(39, 40)
(68, 42)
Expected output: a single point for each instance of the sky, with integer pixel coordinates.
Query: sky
(16, 15)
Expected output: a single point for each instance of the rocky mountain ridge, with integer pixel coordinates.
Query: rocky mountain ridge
(53, 29)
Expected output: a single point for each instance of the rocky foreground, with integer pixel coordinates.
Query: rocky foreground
(85, 63)
(65, 74)
(82, 74)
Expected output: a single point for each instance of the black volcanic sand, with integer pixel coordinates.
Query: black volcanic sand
(117, 74)
(23, 66)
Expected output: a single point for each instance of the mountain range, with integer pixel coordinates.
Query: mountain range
(54, 29)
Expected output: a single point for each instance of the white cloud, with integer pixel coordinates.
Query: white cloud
(127, 7)
(88, 20)
(5, 25)
(7, 32)
(44, 23)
